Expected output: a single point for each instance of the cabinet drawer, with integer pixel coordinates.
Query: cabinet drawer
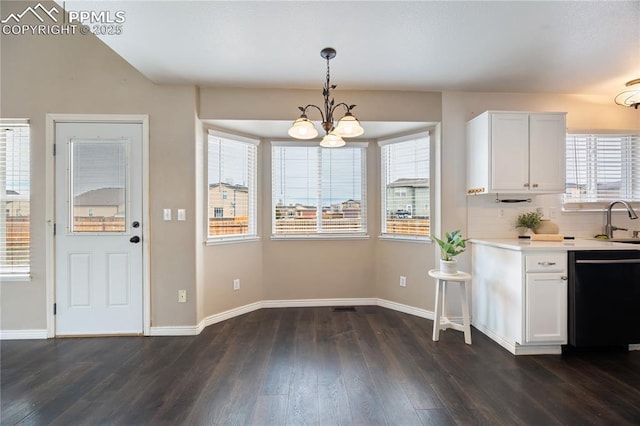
(556, 262)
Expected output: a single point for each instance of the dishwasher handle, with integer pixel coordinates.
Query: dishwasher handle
(606, 261)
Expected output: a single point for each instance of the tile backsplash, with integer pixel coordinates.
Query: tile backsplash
(488, 219)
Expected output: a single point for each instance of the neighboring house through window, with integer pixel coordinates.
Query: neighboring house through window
(405, 186)
(15, 191)
(318, 191)
(601, 168)
(231, 189)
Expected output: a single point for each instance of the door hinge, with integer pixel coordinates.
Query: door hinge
(55, 308)
(54, 149)
(54, 229)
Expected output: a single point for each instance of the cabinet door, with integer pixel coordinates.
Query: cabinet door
(547, 136)
(546, 308)
(509, 152)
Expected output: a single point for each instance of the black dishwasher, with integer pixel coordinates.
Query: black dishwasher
(604, 298)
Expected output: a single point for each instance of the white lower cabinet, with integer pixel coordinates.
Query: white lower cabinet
(545, 308)
(519, 298)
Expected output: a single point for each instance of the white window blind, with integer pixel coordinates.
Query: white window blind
(232, 165)
(602, 168)
(319, 190)
(405, 186)
(15, 188)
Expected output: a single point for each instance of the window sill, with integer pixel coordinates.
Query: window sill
(15, 278)
(232, 240)
(405, 238)
(317, 237)
(595, 207)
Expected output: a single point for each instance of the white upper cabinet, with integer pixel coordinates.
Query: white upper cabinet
(516, 152)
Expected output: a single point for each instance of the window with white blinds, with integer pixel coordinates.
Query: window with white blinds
(405, 186)
(15, 187)
(232, 198)
(602, 168)
(318, 191)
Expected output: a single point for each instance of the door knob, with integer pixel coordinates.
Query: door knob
(135, 239)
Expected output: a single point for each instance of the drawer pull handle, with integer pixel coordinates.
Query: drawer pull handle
(563, 278)
(546, 263)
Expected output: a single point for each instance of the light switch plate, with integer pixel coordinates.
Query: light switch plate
(166, 214)
(182, 215)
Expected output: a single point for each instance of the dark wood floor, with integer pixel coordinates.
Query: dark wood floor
(311, 366)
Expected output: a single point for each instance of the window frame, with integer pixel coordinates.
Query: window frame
(600, 205)
(22, 275)
(252, 187)
(429, 133)
(362, 234)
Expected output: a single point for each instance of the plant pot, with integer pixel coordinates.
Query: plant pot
(449, 267)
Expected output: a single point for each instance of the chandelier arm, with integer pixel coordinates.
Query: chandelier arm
(304, 110)
(348, 108)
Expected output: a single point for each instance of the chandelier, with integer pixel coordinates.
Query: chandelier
(347, 127)
(630, 98)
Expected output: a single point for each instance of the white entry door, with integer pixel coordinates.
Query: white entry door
(98, 240)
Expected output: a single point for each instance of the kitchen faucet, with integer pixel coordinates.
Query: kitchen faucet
(608, 227)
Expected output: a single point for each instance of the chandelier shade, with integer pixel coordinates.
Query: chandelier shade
(631, 97)
(331, 140)
(302, 128)
(347, 127)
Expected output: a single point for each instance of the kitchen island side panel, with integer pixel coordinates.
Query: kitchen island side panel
(497, 293)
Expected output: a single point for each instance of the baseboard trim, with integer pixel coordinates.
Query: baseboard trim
(395, 306)
(231, 313)
(175, 331)
(511, 347)
(23, 334)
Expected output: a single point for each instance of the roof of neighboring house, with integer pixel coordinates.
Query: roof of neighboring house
(410, 182)
(100, 197)
(12, 192)
(230, 186)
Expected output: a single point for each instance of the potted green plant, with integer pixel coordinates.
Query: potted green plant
(528, 220)
(451, 246)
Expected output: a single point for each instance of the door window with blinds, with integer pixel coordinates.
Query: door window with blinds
(15, 187)
(405, 186)
(231, 189)
(601, 168)
(318, 191)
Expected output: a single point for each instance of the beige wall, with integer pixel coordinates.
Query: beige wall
(79, 75)
(327, 269)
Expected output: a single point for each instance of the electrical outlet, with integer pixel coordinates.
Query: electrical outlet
(236, 284)
(182, 296)
(403, 281)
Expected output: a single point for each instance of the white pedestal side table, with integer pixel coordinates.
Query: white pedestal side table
(440, 320)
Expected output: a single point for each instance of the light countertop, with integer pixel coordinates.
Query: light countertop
(566, 245)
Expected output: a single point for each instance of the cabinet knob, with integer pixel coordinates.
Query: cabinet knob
(535, 185)
(526, 185)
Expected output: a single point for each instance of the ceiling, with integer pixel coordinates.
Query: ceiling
(580, 47)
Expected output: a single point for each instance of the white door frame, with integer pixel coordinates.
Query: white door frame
(50, 198)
